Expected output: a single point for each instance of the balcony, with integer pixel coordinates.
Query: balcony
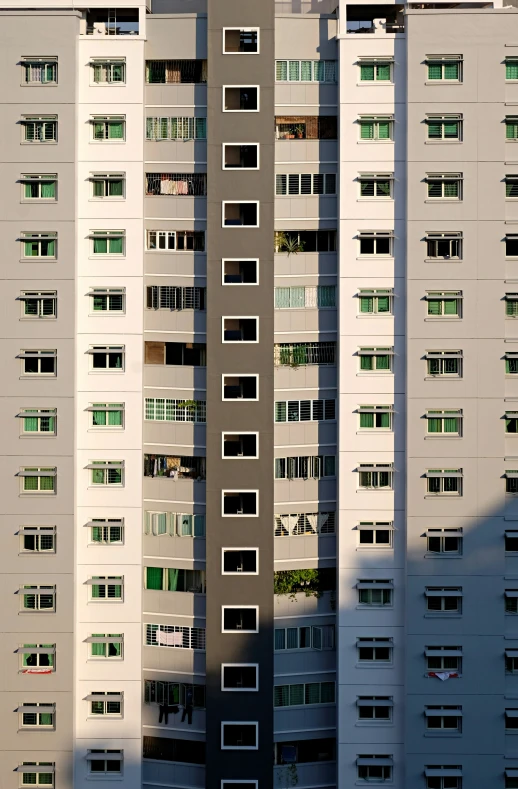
(110, 22)
(375, 20)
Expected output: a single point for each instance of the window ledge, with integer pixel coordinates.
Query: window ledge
(376, 490)
(375, 200)
(443, 438)
(375, 431)
(443, 319)
(443, 496)
(368, 724)
(371, 142)
(443, 82)
(38, 260)
(39, 201)
(38, 435)
(448, 200)
(374, 665)
(106, 257)
(107, 142)
(375, 375)
(443, 260)
(371, 83)
(363, 258)
(443, 734)
(367, 607)
(443, 378)
(429, 555)
(427, 674)
(106, 199)
(443, 142)
(439, 615)
(362, 548)
(377, 315)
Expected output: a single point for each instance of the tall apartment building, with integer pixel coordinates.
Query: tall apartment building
(281, 238)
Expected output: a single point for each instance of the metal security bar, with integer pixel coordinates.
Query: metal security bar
(304, 353)
(304, 523)
(176, 71)
(180, 128)
(175, 636)
(191, 184)
(168, 297)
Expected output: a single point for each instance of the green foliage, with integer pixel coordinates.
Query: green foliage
(287, 776)
(286, 243)
(311, 582)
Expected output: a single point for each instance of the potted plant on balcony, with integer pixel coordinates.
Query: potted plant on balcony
(284, 242)
(299, 132)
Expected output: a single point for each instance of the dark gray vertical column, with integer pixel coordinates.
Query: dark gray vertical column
(238, 473)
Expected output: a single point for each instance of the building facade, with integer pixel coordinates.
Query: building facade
(278, 237)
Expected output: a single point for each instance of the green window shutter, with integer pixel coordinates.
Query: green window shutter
(383, 188)
(434, 71)
(48, 189)
(451, 425)
(326, 296)
(50, 251)
(366, 362)
(383, 72)
(282, 297)
(366, 420)
(98, 73)
(367, 73)
(98, 650)
(99, 418)
(382, 362)
(451, 130)
(511, 70)
(366, 303)
(172, 579)
(434, 425)
(312, 693)
(117, 72)
(383, 304)
(115, 418)
(115, 188)
(451, 71)
(384, 130)
(383, 419)
(511, 130)
(281, 693)
(45, 719)
(434, 130)
(98, 191)
(31, 424)
(280, 411)
(296, 695)
(116, 130)
(115, 246)
(511, 307)
(200, 128)
(100, 246)
(46, 483)
(281, 71)
(305, 71)
(451, 189)
(294, 70)
(319, 70)
(97, 533)
(297, 297)
(450, 307)
(366, 130)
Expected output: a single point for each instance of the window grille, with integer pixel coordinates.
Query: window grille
(307, 240)
(300, 297)
(305, 70)
(178, 128)
(305, 184)
(40, 70)
(109, 127)
(190, 184)
(39, 186)
(304, 523)
(175, 636)
(305, 467)
(159, 409)
(168, 297)
(170, 72)
(40, 128)
(301, 353)
(180, 240)
(304, 410)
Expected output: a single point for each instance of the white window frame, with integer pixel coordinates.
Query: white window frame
(96, 755)
(313, 297)
(436, 656)
(107, 120)
(239, 747)
(304, 703)
(37, 532)
(239, 284)
(375, 585)
(106, 408)
(443, 60)
(375, 61)
(443, 179)
(39, 414)
(375, 779)
(192, 635)
(107, 234)
(304, 407)
(46, 708)
(107, 639)
(107, 293)
(38, 354)
(374, 293)
(244, 572)
(233, 145)
(314, 465)
(376, 351)
(24, 768)
(239, 433)
(106, 524)
(376, 178)
(173, 522)
(239, 399)
(105, 179)
(376, 410)
(39, 179)
(375, 526)
(102, 465)
(314, 638)
(444, 711)
(239, 490)
(105, 714)
(382, 235)
(39, 237)
(173, 410)
(256, 87)
(239, 202)
(445, 356)
(244, 30)
(187, 128)
(443, 119)
(40, 296)
(443, 296)
(106, 581)
(444, 593)
(37, 590)
(452, 237)
(106, 350)
(176, 235)
(441, 474)
(39, 472)
(442, 414)
(304, 524)
(442, 535)
(384, 643)
(384, 702)
(28, 64)
(239, 318)
(239, 608)
(43, 120)
(376, 120)
(240, 665)
(108, 64)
